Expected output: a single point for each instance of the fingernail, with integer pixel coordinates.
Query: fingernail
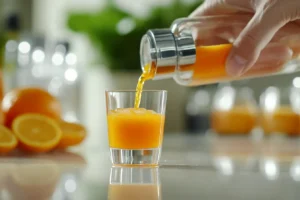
(236, 65)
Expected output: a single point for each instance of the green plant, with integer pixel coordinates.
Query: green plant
(121, 51)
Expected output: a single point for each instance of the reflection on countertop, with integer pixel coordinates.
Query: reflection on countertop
(192, 167)
(134, 183)
(42, 176)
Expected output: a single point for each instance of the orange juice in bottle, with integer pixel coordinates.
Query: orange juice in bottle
(194, 51)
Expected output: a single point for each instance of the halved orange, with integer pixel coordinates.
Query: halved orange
(36, 133)
(72, 134)
(8, 141)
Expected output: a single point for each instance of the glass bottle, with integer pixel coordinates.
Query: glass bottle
(234, 110)
(2, 45)
(197, 111)
(280, 109)
(193, 51)
(12, 35)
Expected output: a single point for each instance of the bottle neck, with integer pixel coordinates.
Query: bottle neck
(159, 72)
(164, 52)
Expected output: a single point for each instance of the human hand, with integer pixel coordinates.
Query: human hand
(269, 17)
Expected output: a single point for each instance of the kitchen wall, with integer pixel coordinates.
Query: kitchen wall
(23, 8)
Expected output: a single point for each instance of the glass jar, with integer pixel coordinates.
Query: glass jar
(53, 68)
(2, 47)
(197, 111)
(194, 51)
(2, 44)
(234, 110)
(280, 110)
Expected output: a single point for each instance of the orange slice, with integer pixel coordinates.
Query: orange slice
(36, 133)
(8, 141)
(72, 134)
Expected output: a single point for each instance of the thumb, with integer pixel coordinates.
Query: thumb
(254, 37)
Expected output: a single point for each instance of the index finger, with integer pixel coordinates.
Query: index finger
(222, 7)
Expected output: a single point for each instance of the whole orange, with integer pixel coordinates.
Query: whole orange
(29, 100)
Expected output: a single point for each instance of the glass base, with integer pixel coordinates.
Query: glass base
(135, 156)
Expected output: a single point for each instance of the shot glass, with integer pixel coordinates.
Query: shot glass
(134, 183)
(135, 134)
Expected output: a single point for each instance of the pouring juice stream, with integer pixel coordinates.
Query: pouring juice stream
(146, 75)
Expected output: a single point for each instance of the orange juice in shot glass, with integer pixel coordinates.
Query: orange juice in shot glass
(135, 133)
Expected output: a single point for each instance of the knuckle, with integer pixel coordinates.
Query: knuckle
(269, 3)
(282, 10)
(213, 3)
(254, 4)
(249, 40)
(230, 2)
(295, 14)
(273, 11)
(247, 46)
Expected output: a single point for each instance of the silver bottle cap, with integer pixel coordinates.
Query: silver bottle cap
(160, 47)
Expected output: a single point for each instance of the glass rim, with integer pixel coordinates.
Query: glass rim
(109, 91)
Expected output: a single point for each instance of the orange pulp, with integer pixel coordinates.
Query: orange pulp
(72, 134)
(8, 140)
(135, 128)
(36, 133)
(237, 120)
